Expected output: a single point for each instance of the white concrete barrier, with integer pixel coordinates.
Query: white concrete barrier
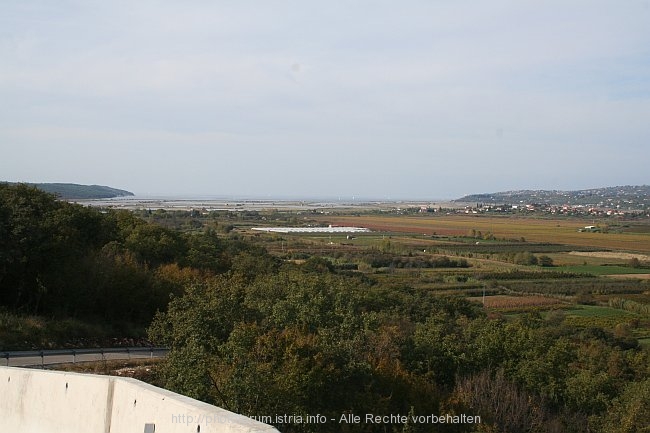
(43, 401)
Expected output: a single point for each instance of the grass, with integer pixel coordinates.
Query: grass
(597, 316)
(598, 311)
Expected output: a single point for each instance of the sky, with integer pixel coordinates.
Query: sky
(429, 99)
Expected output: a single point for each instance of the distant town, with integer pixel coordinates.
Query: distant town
(600, 200)
(595, 211)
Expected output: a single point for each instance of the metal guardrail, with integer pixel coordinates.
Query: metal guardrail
(82, 355)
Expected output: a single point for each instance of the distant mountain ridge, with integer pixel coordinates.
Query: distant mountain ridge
(628, 196)
(73, 191)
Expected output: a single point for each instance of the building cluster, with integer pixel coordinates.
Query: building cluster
(536, 208)
(550, 209)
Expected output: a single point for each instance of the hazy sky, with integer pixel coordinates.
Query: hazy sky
(411, 99)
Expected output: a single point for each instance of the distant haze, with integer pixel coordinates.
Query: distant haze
(414, 99)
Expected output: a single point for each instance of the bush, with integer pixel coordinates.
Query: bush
(545, 261)
(525, 258)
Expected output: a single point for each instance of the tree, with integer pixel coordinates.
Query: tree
(545, 261)
(154, 244)
(502, 403)
(525, 258)
(317, 265)
(629, 413)
(634, 263)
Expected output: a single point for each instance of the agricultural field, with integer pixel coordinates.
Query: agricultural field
(554, 231)
(507, 264)
(604, 269)
(509, 303)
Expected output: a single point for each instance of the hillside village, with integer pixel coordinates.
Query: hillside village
(621, 202)
(614, 199)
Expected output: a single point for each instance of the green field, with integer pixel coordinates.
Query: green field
(598, 311)
(620, 322)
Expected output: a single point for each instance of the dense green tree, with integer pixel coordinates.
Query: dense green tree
(294, 342)
(25, 212)
(318, 264)
(63, 259)
(155, 245)
(628, 413)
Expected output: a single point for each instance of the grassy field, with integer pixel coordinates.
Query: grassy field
(610, 319)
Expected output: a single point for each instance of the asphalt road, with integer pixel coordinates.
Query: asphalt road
(51, 357)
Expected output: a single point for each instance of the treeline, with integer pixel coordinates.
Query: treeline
(59, 259)
(629, 305)
(508, 247)
(517, 274)
(587, 286)
(385, 260)
(292, 341)
(80, 192)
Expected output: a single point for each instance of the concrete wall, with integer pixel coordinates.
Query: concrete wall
(43, 401)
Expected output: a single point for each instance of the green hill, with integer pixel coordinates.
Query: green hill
(72, 191)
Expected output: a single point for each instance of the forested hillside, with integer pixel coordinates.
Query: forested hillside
(296, 342)
(65, 261)
(73, 191)
(268, 337)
